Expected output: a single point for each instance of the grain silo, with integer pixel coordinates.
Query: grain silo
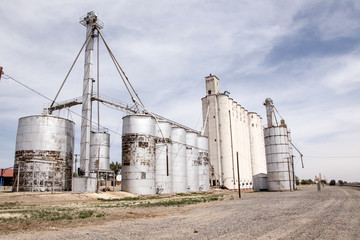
(44, 154)
(179, 166)
(258, 158)
(100, 151)
(138, 154)
(203, 159)
(225, 142)
(277, 152)
(163, 158)
(192, 161)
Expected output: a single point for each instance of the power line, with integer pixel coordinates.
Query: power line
(24, 85)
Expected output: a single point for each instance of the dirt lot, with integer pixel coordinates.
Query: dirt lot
(333, 213)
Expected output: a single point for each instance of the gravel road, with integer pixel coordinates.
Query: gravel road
(333, 213)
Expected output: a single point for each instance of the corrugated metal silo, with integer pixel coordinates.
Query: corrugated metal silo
(179, 171)
(163, 158)
(203, 160)
(192, 162)
(248, 176)
(277, 158)
(44, 154)
(138, 154)
(100, 150)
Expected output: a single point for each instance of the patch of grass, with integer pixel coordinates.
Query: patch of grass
(86, 214)
(8, 205)
(62, 217)
(100, 215)
(119, 199)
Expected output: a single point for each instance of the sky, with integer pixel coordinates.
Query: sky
(305, 55)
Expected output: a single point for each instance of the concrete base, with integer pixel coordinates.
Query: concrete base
(84, 184)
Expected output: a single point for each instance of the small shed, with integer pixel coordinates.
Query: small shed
(6, 177)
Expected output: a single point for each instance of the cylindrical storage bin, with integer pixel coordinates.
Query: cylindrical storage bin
(138, 154)
(100, 151)
(44, 154)
(277, 159)
(202, 142)
(163, 158)
(178, 152)
(225, 141)
(257, 146)
(192, 163)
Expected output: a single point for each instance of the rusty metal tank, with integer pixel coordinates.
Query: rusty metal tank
(100, 150)
(44, 154)
(138, 154)
(203, 160)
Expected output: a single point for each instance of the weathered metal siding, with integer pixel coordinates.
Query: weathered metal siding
(138, 154)
(179, 166)
(277, 158)
(44, 153)
(203, 160)
(192, 162)
(163, 158)
(100, 150)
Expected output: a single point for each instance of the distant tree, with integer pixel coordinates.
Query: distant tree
(306, 182)
(323, 181)
(332, 182)
(116, 167)
(297, 180)
(341, 183)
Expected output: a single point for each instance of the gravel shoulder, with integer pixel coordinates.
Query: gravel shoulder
(333, 213)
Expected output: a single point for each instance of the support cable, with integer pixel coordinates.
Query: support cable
(98, 83)
(67, 75)
(121, 70)
(117, 68)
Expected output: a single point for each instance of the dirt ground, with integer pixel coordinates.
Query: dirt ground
(333, 213)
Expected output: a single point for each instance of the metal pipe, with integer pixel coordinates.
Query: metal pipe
(232, 149)
(238, 172)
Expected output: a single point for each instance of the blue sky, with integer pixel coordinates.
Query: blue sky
(305, 55)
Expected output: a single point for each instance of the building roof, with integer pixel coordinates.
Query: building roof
(7, 172)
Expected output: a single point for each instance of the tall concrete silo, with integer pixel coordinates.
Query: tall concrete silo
(179, 165)
(192, 162)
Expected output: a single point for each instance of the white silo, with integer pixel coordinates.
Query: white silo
(225, 141)
(257, 146)
(192, 162)
(203, 160)
(163, 158)
(44, 154)
(248, 175)
(179, 166)
(277, 152)
(100, 151)
(138, 154)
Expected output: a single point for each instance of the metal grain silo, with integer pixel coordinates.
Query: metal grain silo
(163, 158)
(203, 159)
(192, 162)
(178, 152)
(100, 151)
(225, 141)
(44, 154)
(138, 154)
(277, 158)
